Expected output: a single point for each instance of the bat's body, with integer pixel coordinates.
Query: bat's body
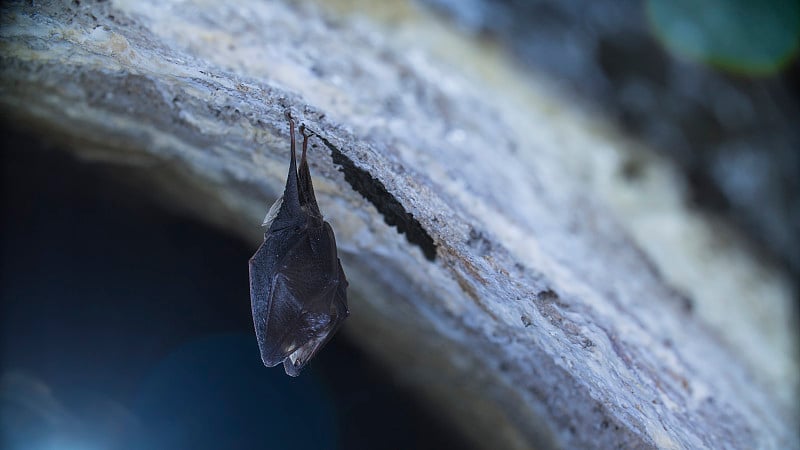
(297, 285)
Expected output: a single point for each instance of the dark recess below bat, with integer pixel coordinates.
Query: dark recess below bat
(138, 322)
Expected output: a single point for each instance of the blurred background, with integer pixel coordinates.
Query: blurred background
(714, 85)
(139, 298)
(112, 307)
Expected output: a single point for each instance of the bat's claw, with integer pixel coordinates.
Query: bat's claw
(306, 132)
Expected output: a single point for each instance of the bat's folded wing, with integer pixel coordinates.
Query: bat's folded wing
(304, 304)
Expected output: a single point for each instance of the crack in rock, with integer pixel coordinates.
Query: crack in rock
(393, 212)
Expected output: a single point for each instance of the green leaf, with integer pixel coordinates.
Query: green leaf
(743, 36)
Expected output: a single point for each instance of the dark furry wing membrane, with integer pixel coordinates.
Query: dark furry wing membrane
(297, 285)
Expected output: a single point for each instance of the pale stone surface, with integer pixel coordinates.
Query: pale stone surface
(549, 315)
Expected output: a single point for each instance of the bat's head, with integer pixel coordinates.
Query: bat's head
(319, 328)
(301, 340)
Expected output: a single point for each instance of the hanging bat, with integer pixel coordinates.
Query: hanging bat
(297, 285)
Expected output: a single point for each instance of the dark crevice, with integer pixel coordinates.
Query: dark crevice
(394, 214)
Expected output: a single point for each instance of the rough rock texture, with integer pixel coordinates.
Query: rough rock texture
(537, 295)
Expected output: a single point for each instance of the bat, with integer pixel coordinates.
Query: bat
(298, 290)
